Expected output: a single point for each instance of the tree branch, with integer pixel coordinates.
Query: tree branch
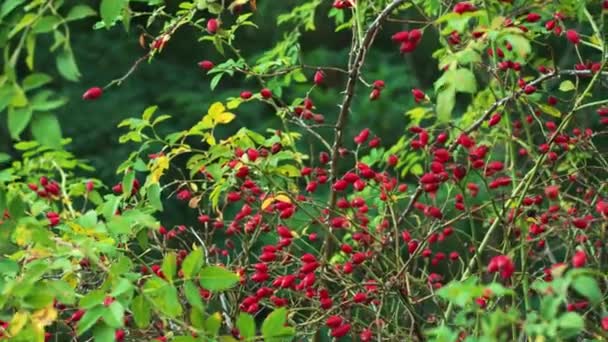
(349, 92)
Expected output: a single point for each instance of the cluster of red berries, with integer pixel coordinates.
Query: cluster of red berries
(46, 188)
(408, 40)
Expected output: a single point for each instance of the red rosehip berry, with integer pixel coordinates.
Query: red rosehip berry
(92, 93)
(212, 25)
(206, 65)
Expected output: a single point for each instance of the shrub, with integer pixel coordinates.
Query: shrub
(485, 221)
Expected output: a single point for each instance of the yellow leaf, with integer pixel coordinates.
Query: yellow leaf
(224, 117)
(161, 164)
(44, 316)
(210, 139)
(217, 115)
(22, 235)
(271, 199)
(216, 109)
(71, 279)
(17, 323)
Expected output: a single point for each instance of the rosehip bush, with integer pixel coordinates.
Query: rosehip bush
(486, 221)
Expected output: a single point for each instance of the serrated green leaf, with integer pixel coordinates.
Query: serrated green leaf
(141, 311)
(169, 266)
(114, 315)
(216, 278)
(193, 296)
(89, 319)
(193, 263)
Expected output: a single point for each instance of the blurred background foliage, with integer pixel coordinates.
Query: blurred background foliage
(175, 83)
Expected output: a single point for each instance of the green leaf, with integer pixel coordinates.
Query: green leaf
(89, 319)
(103, 333)
(550, 110)
(46, 24)
(4, 157)
(463, 80)
(521, 45)
(587, 286)
(246, 325)
(127, 183)
(92, 299)
(213, 324)
(141, 311)
(169, 266)
(163, 296)
(154, 196)
(216, 278)
(193, 296)
(79, 12)
(566, 86)
(288, 170)
(123, 285)
(571, 324)
(66, 65)
(215, 81)
(110, 10)
(7, 92)
(8, 6)
(193, 263)
(18, 119)
(446, 99)
(114, 315)
(62, 291)
(36, 80)
(274, 325)
(149, 112)
(46, 130)
(7, 267)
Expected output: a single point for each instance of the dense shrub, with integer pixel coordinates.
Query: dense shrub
(485, 221)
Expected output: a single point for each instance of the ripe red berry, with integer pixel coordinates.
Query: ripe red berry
(334, 321)
(532, 17)
(206, 65)
(579, 259)
(319, 77)
(92, 93)
(246, 95)
(340, 331)
(212, 25)
(401, 37)
(392, 160)
(495, 119)
(266, 93)
(418, 95)
(573, 37)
